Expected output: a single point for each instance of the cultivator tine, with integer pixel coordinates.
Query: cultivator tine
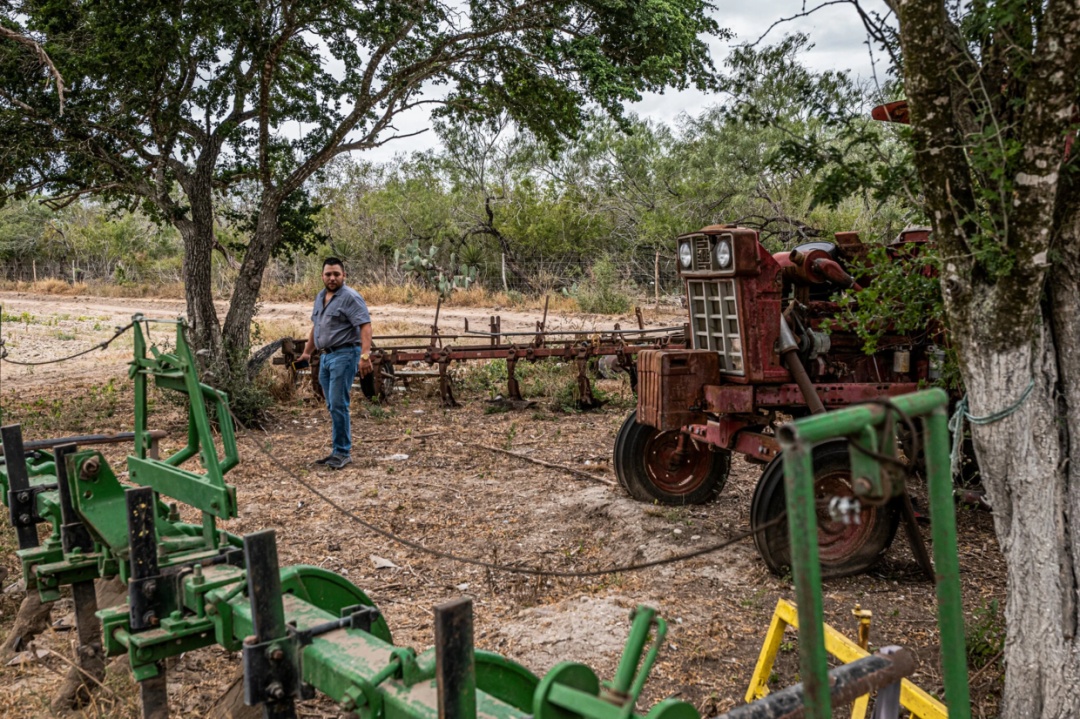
(20, 498)
(73, 532)
(154, 695)
(270, 676)
(455, 663)
(586, 399)
(543, 323)
(435, 340)
(143, 548)
(513, 389)
(89, 655)
(143, 591)
(446, 385)
(316, 388)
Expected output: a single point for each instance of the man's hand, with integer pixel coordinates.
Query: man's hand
(366, 367)
(306, 357)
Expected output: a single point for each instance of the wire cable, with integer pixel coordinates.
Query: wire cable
(532, 571)
(98, 346)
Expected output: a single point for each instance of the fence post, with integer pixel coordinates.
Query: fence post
(656, 278)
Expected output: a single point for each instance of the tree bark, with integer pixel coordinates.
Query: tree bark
(1024, 466)
(198, 235)
(236, 333)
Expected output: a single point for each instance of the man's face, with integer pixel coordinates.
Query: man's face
(333, 276)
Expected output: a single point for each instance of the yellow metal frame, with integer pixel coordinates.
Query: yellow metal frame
(915, 700)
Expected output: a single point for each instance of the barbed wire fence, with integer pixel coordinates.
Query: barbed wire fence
(650, 277)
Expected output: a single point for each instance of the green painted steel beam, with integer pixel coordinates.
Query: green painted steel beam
(947, 565)
(190, 488)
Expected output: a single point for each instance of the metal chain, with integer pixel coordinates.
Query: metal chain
(532, 571)
(99, 346)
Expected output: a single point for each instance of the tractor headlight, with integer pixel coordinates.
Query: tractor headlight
(686, 255)
(723, 254)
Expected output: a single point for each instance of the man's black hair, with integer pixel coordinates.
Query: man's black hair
(333, 261)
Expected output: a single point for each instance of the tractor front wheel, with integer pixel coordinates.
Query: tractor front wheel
(844, 549)
(667, 467)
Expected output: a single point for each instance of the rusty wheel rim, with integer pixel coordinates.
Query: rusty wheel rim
(677, 476)
(839, 542)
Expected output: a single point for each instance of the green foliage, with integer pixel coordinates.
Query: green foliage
(90, 410)
(178, 108)
(984, 634)
(903, 297)
(296, 219)
(100, 241)
(605, 292)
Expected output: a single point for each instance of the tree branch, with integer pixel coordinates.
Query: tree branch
(43, 58)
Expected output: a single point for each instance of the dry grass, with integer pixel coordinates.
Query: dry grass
(409, 294)
(169, 290)
(374, 294)
(413, 294)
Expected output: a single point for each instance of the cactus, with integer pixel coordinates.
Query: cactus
(424, 267)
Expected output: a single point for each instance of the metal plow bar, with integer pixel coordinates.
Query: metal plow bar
(577, 346)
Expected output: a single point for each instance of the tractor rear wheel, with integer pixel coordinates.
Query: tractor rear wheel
(843, 549)
(651, 468)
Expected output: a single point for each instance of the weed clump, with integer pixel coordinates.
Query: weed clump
(606, 292)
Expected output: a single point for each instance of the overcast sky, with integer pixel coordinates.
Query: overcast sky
(836, 31)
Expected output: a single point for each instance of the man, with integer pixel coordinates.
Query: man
(341, 330)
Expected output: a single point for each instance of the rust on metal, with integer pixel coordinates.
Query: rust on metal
(441, 349)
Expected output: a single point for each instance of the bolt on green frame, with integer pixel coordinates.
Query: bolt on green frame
(798, 440)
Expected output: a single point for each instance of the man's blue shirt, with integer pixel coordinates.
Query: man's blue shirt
(338, 322)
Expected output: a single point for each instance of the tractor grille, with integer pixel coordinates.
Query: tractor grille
(702, 253)
(714, 317)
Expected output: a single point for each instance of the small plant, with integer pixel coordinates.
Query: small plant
(377, 412)
(985, 634)
(425, 268)
(510, 435)
(606, 292)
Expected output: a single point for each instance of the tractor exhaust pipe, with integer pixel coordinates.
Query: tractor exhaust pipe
(789, 352)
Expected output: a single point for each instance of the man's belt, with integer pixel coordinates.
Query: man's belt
(347, 345)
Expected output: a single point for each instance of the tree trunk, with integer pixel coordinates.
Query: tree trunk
(236, 334)
(1024, 467)
(198, 235)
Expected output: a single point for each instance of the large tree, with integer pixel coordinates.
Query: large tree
(169, 104)
(993, 87)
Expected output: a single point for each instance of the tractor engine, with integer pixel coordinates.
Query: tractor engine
(764, 347)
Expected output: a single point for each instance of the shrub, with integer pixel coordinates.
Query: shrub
(606, 292)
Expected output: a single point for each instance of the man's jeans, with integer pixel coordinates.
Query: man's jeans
(336, 373)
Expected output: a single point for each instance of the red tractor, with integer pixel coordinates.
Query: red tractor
(762, 350)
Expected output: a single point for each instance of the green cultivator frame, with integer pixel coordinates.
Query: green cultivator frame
(301, 628)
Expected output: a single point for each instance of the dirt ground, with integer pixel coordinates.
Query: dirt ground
(429, 475)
